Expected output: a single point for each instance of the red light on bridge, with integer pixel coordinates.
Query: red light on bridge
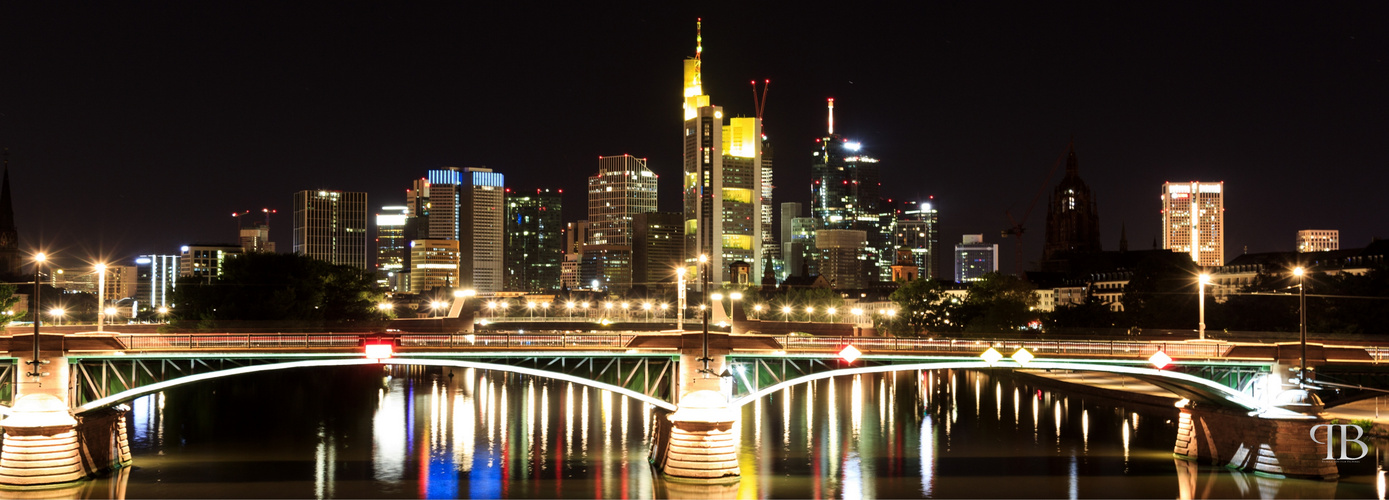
(850, 353)
(378, 351)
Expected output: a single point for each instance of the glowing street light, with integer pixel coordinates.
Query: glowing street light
(1302, 321)
(786, 312)
(1201, 283)
(100, 296)
(831, 311)
(57, 314)
(39, 259)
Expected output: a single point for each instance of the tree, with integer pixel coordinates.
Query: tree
(279, 287)
(7, 302)
(925, 307)
(998, 303)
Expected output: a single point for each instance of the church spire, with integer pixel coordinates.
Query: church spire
(9, 236)
(1072, 166)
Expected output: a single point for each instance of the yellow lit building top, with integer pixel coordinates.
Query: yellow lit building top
(740, 138)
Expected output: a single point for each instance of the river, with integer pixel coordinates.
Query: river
(361, 432)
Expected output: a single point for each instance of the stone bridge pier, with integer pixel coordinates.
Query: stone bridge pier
(44, 444)
(699, 441)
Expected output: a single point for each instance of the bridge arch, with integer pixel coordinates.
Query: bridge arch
(1187, 386)
(159, 386)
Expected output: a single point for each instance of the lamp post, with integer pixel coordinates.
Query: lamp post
(100, 296)
(680, 298)
(39, 258)
(1201, 291)
(704, 288)
(1302, 321)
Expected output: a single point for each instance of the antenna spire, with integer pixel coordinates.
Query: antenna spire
(699, 49)
(831, 116)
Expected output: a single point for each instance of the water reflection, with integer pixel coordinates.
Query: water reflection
(464, 433)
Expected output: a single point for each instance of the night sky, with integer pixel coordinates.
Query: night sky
(135, 127)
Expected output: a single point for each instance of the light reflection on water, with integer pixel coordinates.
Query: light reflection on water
(480, 434)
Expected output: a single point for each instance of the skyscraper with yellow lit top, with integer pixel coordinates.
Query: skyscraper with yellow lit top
(722, 181)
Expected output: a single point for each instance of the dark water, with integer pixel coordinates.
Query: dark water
(357, 432)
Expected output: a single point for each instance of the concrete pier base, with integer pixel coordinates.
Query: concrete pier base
(703, 442)
(1279, 445)
(40, 446)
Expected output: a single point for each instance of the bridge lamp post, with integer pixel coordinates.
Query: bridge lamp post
(163, 312)
(544, 309)
(810, 313)
(1302, 321)
(758, 309)
(385, 308)
(569, 308)
(704, 281)
(57, 314)
(100, 295)
(530, 309)
(504, 305)
(646, 306)
(39, 258)
(680, 298)
(858, 314)
(664, 307)
(492, 308)
(607, 309)
(625, 315)
(830, 312)
(436, 306)
(1201, 283)
(786, 313)
(585, 308)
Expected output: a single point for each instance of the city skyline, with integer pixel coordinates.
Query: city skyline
(148, 105)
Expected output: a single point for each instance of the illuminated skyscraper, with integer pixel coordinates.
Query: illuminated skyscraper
(723, 181)
(1193, 220)
(391, 247)
(331, 226)
(467, 205)
(157, 275)
(844, 181)
(534, 234)
(974, 258)
(622, 188)
(1318, 240)
(916, 230)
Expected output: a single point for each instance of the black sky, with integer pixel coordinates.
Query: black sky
(134, 127)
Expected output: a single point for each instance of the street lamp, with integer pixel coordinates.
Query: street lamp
(831, 311)
(786, 313)
(385, 308)
(704, 288)
(39, 258)
(530, 306)
(646, 306)
(1201, 291)
(57, 314)
(436, 306)
(100, 296)
(1302, 321)
(680, 298)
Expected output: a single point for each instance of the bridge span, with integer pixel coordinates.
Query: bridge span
(87, 377)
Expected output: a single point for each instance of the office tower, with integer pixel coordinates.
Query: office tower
(434, 265)
(467, 205)
(391, 246)
(606, 267)
(157, 275)
(839, 253)
(1318, 240)
(622, 188)
(575, 239)
(331, 226)
(790, 258)
(916, 231)
(205, 261)
(257, 238)
(844, 181)
(658, 245)
(10, 261)
(722, 183)
(769, 233)
(1073, 218)
(534, 237)
(800, 259)
(1193, 220)
(974, 258)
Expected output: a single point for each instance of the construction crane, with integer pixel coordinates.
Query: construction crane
(760, 104)
(1017, 227)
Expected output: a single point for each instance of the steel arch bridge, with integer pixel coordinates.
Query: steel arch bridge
(103, 380)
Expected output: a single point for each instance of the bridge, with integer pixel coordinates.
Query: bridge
(69, 423)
